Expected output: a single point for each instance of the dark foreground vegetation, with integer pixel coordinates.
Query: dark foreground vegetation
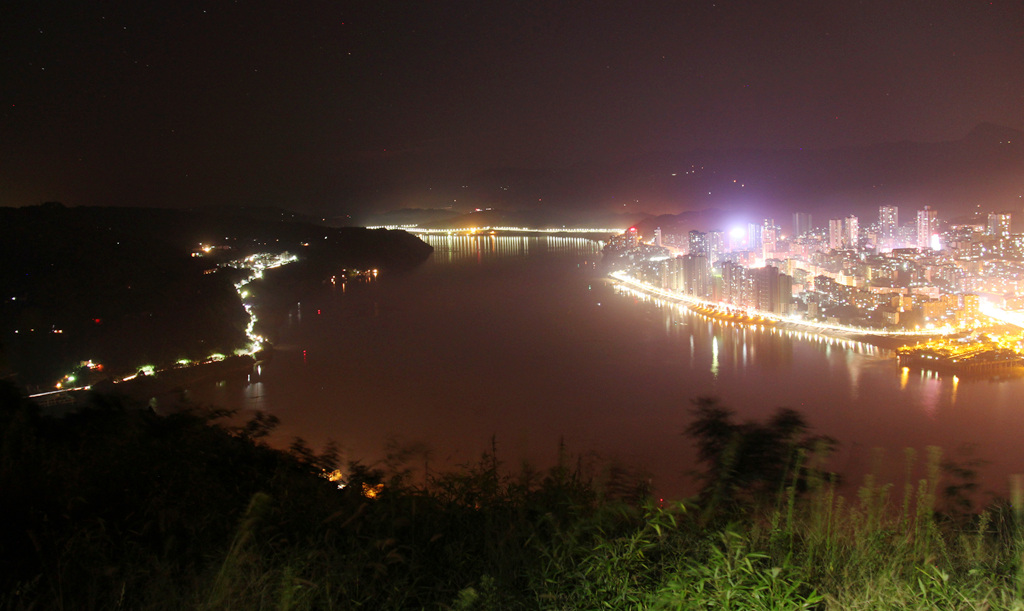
(114, 507)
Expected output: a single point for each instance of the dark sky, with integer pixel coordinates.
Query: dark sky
(296, 103)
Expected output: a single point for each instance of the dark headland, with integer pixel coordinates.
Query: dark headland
(130, 286)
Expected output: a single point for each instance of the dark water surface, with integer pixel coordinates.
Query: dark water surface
(524, 340)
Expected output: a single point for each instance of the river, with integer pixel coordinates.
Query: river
(523, 341)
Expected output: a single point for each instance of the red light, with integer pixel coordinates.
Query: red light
(98, 321)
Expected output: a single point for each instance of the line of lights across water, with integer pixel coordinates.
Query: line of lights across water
(417, 229)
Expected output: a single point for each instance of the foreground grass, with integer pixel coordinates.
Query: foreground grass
(116, 508)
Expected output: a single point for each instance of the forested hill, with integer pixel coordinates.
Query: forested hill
(121, 284)
(44, 233)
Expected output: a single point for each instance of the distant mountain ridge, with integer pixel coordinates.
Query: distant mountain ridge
(983, 169)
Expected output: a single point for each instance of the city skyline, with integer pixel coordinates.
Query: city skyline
(881, 279)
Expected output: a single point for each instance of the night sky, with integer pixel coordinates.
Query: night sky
(302, 104)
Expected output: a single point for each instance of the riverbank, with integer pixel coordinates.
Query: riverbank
(145, 387)
(176, 379)
(156, 288)
(746, 316)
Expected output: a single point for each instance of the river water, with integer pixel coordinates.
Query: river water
(523, 341)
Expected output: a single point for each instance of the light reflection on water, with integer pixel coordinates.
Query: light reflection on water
(854, 391)
(454, 249)
(462, 349)
(254, 396)
(714, 356)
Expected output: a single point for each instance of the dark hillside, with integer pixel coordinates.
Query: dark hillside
(120, 286)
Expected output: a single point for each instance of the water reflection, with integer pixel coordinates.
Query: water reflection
(854, 362)
(930, 392)
(740, 344)
(463, 348)
(254, 396)
(456, 249)
(852, 370)
(714, 357)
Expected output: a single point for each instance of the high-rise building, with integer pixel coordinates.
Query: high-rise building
(732, 282)
(773, 290)
(672, 274)
(801, 223)
(698, 243)
(972, 306)
(657, 237)
(999, 223)
(754, 237)
(888, 224)
(696, 275)
(716, 246)
(835, 234)
(632, 237)
(927, 226)
(851, 232)
(769, 235)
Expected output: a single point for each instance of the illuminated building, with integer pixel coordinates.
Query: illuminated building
(888, 223)
(835, 234)
(926, 227)
(698, 243)
(769, 236)
(851, 232)
(999, 224)
(972, 307)
(754, 237)
(773, 290)
(671, 272)
(734, 283)
(696, 276)
(632, 238)
(801, 223)
(716, 246)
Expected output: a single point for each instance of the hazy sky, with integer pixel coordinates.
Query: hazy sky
(293, 103)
